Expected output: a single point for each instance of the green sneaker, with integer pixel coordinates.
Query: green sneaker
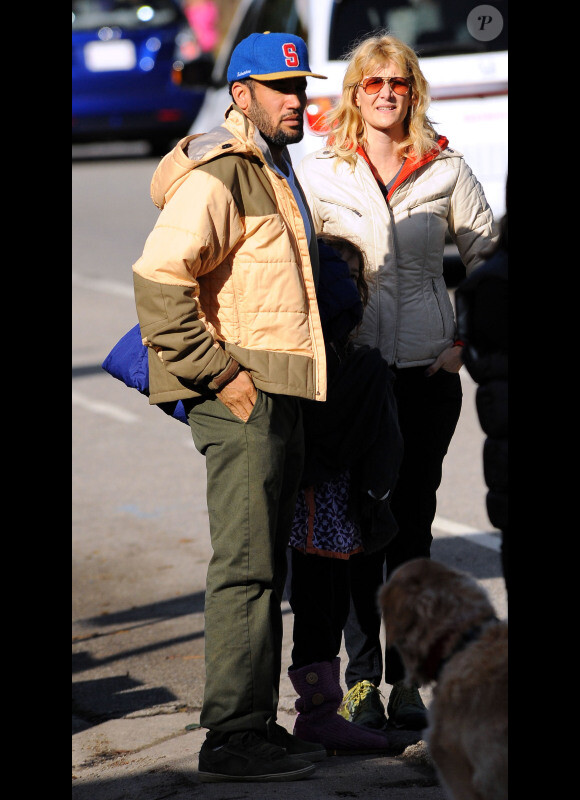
(405, 708)
(362, 705)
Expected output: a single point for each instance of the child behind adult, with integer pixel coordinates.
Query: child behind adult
(343, 504)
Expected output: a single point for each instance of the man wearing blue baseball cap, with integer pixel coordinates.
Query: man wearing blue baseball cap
(226, 299)
(267, 76)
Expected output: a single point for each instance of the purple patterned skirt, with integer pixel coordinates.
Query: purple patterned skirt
(321, 523)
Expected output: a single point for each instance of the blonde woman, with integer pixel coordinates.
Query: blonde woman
(387, 178)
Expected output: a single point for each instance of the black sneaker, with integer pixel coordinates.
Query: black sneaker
(248, 757)
(295, 747)
(406, 709)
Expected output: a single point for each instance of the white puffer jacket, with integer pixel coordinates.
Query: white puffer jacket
(409, 316)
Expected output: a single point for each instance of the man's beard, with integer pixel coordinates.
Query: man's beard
(272, 134)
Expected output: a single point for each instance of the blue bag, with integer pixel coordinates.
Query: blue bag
(128, 361)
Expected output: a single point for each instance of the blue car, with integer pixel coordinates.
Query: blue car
(130, 62)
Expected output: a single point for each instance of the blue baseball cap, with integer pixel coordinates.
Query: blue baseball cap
(269, 57)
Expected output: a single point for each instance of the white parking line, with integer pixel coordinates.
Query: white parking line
(107, 409)
(483, 538)
(117, 413)
(100, 285)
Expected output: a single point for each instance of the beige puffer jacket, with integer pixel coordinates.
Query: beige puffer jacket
(226, 276)
(409, 316)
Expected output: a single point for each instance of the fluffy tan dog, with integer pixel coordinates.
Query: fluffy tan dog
(446, 631)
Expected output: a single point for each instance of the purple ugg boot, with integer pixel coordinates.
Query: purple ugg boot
(318, 687)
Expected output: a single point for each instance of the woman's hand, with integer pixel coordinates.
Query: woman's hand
(239, 395)
(450, 360)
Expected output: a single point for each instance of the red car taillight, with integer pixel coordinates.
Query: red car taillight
(187, 49)
(177, 72)
(316, 109)
(169, 115)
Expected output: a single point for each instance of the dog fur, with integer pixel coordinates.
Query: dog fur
(432, 615)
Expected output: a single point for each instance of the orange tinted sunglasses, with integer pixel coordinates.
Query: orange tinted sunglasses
(374, 85)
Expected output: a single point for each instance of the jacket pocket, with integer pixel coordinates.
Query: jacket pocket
(425, 201)
(341, 205)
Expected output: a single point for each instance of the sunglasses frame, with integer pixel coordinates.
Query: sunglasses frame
(385, 80)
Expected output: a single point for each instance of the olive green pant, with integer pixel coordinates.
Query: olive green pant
(253, 473)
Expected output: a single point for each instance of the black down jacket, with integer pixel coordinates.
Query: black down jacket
(482, 322)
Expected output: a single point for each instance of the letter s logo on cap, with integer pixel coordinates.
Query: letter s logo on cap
(290, 55)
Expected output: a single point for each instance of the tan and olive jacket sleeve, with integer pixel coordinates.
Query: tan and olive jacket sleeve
(194, 233)
(227, 275)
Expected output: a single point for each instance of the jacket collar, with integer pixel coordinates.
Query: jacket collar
(245, 130)
(410, 164)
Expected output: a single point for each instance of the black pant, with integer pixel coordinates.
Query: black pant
(320, 599)
(428, 411)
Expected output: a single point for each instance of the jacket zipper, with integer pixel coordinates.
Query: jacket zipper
(291, 199)
(436, 293)
(404, 174)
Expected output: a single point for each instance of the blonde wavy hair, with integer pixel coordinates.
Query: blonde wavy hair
(346, 125)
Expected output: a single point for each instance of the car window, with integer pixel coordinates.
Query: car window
(88, 15)
(271, 15)
(266, 15)
(431, 27)
(280, 15)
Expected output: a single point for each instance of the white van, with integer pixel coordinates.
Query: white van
(462, 49)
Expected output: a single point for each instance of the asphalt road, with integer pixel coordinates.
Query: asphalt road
(140, 544)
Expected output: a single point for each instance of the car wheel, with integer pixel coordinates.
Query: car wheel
(159, 147)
